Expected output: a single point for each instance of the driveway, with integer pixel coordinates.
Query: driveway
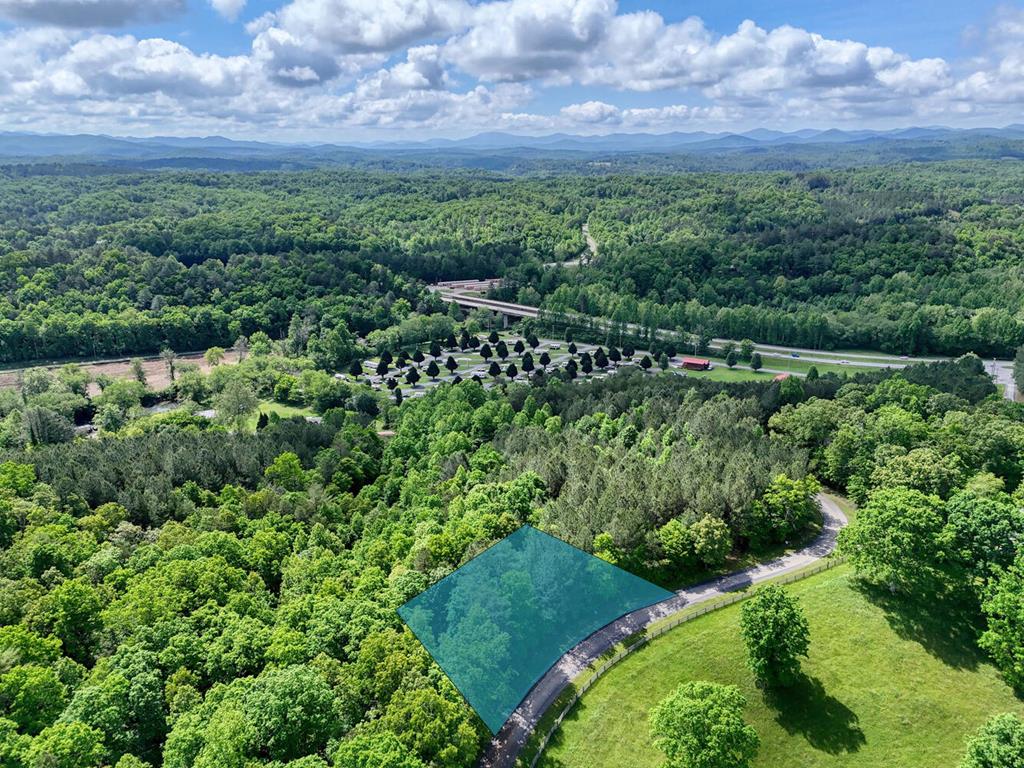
(505, 747)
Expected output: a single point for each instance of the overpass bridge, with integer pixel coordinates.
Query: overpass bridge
(467, 295)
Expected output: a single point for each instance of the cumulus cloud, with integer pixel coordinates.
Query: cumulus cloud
(457, 66)
(642, 53)
(308, 42)
(516, 40)
(592, 112)
(89, 13)
(105, 65)
(999, 75)
(599, 113)
(422, 70)
(478, 107)
(229, 9)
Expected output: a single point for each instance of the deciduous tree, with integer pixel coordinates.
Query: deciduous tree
(997, 744)
(895, 539)
(700, 725)
(776, 633)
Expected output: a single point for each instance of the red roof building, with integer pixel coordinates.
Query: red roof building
(696, 363)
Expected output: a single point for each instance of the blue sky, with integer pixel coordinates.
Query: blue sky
(913, 26)
(363, 69)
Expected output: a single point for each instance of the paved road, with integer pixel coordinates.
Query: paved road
(588, 255)
(1001, 370)
(505, 747)
(591, 242)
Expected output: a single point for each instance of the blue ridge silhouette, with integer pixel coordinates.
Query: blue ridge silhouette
(496, 624)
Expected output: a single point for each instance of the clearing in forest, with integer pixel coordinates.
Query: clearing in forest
(498, 623)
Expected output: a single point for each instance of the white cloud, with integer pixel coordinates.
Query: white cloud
(370, 26)
(999, 74)
(592, 112)
(314, 41)
(89, 13)
(291, 61)
(643, 53)
(105, 65)
(422, 70)
(229, 9)
(516, 40)
(598, 113)
(327, 66)
(916, 77)
(478, 108)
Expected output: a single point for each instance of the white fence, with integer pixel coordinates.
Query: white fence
(641, 638)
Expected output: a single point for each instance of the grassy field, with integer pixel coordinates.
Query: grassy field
(721, 373)
(797, 365)
(471, 360)
(284, 411)
(886, 685)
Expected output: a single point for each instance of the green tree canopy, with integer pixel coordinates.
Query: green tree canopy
(700, 725)
(777, 635)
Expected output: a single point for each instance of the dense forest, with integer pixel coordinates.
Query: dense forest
(221, 590)
(916, 258)
(913, 259)
(180, 592)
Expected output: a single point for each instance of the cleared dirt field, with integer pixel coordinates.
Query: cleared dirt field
(156, 371)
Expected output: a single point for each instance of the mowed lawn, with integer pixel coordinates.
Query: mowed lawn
(885, 687)
(284, 411)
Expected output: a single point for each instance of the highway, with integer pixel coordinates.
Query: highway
(467, 294)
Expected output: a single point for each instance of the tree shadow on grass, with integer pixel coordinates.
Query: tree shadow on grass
(807, 709)
(946, 626)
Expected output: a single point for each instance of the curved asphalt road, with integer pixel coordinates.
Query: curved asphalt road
(505, 747)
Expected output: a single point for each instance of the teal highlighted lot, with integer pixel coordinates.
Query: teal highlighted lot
(500, 621)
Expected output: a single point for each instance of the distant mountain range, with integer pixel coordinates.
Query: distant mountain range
(760, 148)
(698, 140)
